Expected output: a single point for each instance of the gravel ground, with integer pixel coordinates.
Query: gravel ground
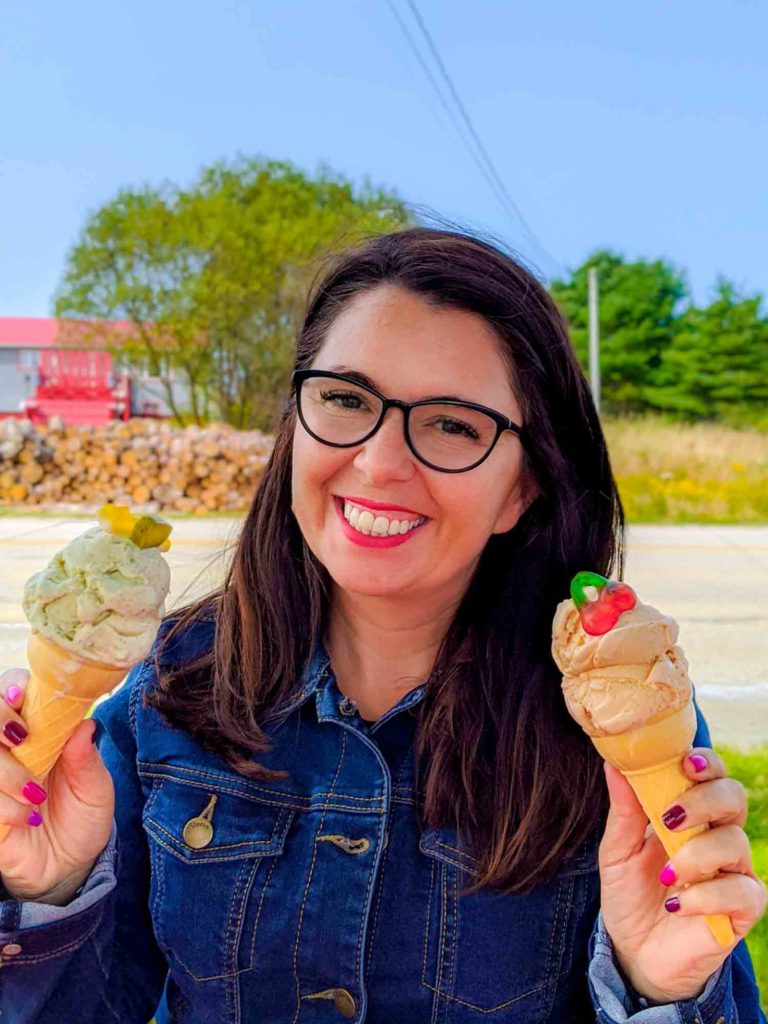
(712, 579)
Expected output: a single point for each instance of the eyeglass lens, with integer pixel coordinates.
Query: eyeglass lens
(447, 436)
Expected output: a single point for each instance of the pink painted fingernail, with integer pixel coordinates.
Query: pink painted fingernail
(668, 876)
(35, 818)
(672, 904)
(34, 793)
(698, 762)
(13, 693)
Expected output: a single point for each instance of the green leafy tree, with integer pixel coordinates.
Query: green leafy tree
(717, 364)
(638, 308)
(213, 278)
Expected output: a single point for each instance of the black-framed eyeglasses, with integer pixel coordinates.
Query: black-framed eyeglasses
(446, 435)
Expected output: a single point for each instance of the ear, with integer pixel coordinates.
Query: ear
(520, 497)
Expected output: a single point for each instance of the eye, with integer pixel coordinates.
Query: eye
(343, 399)
(457, 427)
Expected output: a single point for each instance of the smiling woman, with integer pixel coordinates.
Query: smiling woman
(351, 767)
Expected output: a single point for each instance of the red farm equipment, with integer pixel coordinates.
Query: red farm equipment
(79, 385)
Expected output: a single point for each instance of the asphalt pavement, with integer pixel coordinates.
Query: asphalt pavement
(712, 579)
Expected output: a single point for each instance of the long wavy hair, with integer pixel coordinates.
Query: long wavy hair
(497, 755)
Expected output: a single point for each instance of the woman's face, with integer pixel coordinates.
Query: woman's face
(410, 351)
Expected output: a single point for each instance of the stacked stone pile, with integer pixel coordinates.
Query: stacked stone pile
(144, 463)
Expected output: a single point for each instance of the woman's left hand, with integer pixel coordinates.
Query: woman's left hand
(669, 955)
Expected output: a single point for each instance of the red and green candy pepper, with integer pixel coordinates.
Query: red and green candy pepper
(599, 615)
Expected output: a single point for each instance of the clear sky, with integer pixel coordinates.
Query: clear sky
(639, 126)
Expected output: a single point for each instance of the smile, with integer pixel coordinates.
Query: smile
(378, 525)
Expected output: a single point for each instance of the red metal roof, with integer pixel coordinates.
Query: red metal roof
(46, 332)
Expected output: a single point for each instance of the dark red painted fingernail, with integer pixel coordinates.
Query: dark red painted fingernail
(674, 816)
(13, 693)
(35, 818)
(672, 904)
(668, 876)
(15, 733)
(34, 793)
(698, 762)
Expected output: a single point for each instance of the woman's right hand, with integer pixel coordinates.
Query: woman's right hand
(59, 829)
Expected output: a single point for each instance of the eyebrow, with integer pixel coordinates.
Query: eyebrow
(368, 382)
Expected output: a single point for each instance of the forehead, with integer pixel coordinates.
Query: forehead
(412, 350)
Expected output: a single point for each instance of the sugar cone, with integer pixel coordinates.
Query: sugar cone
(650, 758)
(61, 689)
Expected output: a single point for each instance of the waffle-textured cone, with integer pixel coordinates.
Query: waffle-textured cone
(61, 689)
(650, 758)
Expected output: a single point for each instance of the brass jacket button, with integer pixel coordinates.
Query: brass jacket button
(198, 831)
(344, 1003)
(12, 949)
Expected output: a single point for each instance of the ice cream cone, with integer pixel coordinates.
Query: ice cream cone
(61, 689)
(650, 758)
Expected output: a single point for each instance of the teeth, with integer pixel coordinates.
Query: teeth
(365, 522)
(377, 526)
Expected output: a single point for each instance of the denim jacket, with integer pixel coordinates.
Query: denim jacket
(313, 898)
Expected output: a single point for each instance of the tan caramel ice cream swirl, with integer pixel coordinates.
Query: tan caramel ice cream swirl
(624, 679)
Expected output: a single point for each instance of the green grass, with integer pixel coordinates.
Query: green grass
(751, 769)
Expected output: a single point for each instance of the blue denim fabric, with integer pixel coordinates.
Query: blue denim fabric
(319, 898)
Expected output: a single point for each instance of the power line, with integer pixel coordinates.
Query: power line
(449, 110)
(478, 152)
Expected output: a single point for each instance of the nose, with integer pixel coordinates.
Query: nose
(386, 456)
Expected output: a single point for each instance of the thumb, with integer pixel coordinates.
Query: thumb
(80, 757)
(627, 822)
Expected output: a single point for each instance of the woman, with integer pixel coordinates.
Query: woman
(346, 785)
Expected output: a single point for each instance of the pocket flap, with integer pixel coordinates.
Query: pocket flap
(443, 844)
(239, 828)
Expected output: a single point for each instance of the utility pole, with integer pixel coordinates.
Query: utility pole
(594, 339)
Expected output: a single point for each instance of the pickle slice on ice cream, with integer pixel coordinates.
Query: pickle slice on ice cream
(150, 532)
(143, 531)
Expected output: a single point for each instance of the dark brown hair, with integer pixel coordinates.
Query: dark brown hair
(498, 757)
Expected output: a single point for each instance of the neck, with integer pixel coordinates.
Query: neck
(381, 650)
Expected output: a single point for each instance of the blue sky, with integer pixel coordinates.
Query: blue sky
(643, 127)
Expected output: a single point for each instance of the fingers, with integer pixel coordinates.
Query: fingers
(741, 897)
(15, 813)
(13, 729)
(703, 764)
(719, 802)
(725, 848)
(16, 784)
(13, 685)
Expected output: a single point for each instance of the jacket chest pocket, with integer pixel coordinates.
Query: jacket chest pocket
(493, 956)
(213, 853)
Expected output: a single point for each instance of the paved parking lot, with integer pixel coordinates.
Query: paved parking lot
(712, 579)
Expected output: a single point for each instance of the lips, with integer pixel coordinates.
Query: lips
(377, 506)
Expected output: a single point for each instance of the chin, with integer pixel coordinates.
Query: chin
(369, 586)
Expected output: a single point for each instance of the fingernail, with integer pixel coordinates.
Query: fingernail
(672, 904)
(14, 732)
(674, 816)
(668, 876)
(35, 818)
(698, 762)
(13, 693)
(34, 793)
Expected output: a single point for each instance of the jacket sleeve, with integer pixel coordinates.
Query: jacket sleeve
(729, 997)
(96, 960)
